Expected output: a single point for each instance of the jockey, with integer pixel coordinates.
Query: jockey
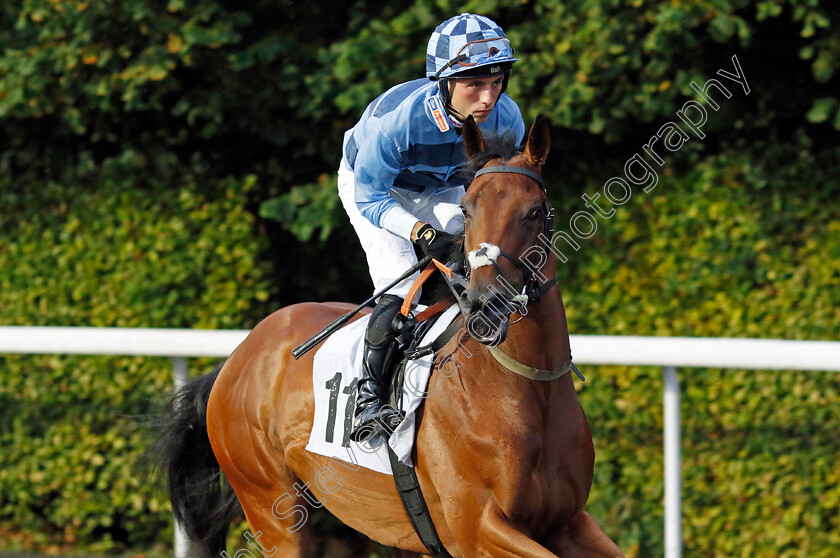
(400, 184)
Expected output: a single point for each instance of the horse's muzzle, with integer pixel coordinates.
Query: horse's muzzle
(488, 318)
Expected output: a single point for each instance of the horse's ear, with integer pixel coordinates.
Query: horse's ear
(473, 140)
(539, 142)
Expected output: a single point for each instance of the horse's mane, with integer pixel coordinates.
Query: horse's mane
(496, 146)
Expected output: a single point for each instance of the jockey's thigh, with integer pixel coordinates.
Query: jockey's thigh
(388, 255)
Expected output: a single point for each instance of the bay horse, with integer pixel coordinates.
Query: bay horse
(505, 462)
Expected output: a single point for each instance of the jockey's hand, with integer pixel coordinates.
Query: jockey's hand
(435, 243)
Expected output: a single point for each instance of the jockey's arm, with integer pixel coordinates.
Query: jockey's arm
(378, 163)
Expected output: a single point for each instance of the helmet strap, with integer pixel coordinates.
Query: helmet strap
(443, 87)
(451, 113)
(446, 97)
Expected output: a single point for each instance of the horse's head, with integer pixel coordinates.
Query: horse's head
(505, 211)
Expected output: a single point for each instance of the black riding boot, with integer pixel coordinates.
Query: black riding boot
(373, 415)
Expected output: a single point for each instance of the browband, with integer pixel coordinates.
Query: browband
(514, 170)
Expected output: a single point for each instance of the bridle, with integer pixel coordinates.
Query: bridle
(532, 288)
(531, 291)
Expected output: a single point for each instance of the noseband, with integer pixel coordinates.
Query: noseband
(533, 289)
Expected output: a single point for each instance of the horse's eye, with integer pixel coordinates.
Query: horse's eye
(533, 215)
(464, 210)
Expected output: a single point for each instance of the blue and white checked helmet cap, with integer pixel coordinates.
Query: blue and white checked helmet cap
(466, 42)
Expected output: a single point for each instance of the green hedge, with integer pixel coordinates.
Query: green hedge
(140, 138)
(742, 245)
(118, 253)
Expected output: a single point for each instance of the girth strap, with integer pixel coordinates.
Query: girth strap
(409, 488)
(405, 476)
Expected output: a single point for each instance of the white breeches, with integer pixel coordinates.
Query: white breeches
(388, 255)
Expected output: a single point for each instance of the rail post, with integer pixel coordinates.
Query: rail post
(671, 427)
(179, 376)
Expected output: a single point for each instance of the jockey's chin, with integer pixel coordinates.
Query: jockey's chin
(480, 115)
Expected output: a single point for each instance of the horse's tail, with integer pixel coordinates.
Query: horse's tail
(203, 502)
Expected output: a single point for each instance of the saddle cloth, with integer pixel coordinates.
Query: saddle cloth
(335, 374)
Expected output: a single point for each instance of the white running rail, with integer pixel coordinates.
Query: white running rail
(669, 353)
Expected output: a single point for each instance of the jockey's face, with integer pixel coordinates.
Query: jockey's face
(476, 96)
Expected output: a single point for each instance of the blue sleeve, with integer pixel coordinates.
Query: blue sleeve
(508, 120)
(377, 165)
(519, 128)
(514, 119)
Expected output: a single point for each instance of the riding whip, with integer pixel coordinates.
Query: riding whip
(307, 345)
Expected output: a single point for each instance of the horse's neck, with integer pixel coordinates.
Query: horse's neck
(541, 338)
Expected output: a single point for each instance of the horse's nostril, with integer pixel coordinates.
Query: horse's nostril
(469, 302)
(481, 329)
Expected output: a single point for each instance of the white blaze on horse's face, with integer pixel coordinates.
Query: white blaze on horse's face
(486, 255)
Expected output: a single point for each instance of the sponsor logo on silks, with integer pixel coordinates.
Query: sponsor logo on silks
(437, 112)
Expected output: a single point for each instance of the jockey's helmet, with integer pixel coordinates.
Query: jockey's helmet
(468, 45)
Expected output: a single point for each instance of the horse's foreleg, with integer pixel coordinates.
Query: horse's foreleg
(584, 538)
(499, 538)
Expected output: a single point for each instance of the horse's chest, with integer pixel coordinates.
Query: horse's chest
(546, 492)
(532, 461)
(548, 475)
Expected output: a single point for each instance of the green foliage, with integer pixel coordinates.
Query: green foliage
(69, 449)
(102, 55)
(306, 208)
(91, 258)
(138, 138)
(603, 66)
(116, 253)
(741, 245)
